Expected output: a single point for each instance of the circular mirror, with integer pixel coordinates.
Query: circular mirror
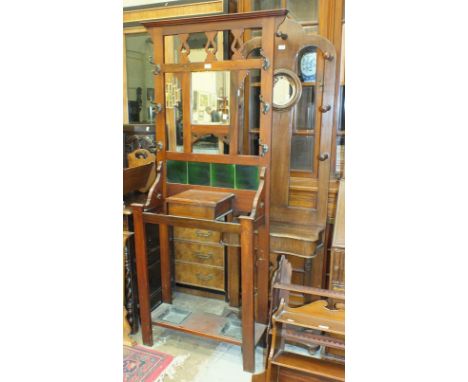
(287, 89)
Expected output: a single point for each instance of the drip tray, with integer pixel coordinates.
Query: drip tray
(233, 329)
(174, 315)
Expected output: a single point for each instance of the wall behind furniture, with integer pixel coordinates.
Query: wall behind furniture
(134, 3)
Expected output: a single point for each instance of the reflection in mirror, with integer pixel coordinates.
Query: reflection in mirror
(287, 89)
(208, 144)
(210, 98)
(140, 88)
(283, 90)
(252, 113)
(173, 110)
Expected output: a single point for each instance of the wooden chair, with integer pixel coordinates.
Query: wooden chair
(139, 158)
(312, 324)
(136, 177)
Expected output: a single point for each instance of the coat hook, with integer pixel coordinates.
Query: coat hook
(283, 36)
(328, 56)
(263, 148)
(157, 107)
(266, 105)
(266, 61)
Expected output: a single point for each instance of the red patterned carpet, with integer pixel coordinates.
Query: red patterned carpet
(141, 364)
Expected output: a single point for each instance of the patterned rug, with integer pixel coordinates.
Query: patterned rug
(143, 365)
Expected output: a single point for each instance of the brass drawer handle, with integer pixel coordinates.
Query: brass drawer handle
(204, 278)
(202, 234)
(203, 256)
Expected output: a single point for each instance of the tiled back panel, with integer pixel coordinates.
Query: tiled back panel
(213, 174)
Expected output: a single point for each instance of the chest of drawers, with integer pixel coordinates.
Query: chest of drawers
(198, 253)
(199, 263)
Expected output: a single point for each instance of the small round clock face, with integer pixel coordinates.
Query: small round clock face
(308, 66)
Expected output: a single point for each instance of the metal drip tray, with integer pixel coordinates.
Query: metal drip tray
(174, 315)
(233, 329)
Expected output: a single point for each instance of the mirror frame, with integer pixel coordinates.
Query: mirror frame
(295, 81)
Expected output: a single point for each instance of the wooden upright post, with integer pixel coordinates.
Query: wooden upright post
(165, 263)
(142, 275)
(247, 282)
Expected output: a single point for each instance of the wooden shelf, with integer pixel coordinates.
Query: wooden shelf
(314, 315)
(302, 232)
(309, 365)
(309, 83)
(312, 339)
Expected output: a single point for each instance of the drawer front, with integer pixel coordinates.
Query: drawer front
(286, 245)
(200, 212)
(203, 276)
(197, 234)
(199, 253)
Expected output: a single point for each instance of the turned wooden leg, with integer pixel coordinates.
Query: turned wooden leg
(247, 282)
(165, 257)
(130, 297)
(126, 326)
(142, 275)
(126, 330)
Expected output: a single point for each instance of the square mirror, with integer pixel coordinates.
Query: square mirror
(210, 98)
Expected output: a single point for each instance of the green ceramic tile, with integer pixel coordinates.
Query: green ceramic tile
(199, 173)
(177, 171)
(222, 175)
(246, 177)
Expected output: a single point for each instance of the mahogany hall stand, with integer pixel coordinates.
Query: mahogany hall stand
(247, 213)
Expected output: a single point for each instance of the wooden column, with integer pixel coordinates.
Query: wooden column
(268, 46)
(247, 282)
(263, 273)
(165, 258)
(142, 275)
